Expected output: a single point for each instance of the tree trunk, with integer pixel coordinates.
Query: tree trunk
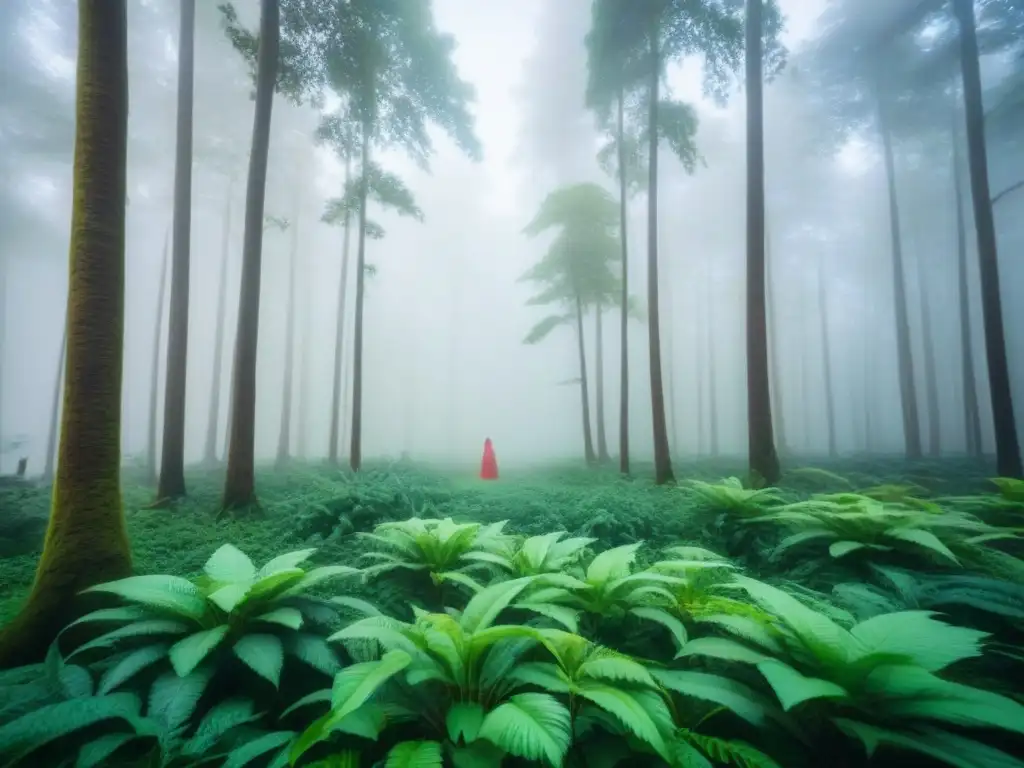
(602, 439)
(669, 370)
(904, 354)
(931, 379)
(356, 446)
(51, 435)
(3, 341)
(339, 335)
(712, 356)
(1008, 461)
(774, 367)
(154, 379)
(662, 457)
(240, 481)
(624, 317)
(172, 454)
(763, 459)
(284, 440)
(213, 421)
(972, 410)
(588, 440)
(86, 542)
(306, 359)
(826, 360)
(701, 370)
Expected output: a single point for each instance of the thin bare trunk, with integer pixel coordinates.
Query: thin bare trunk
(931, 378)
(662, 456)
(972, 409)
(602, 439)
(1008, 459)
(154, 379)
(624, 317)
(588, 440)
(775, 361)
(763, 460)
(904, 353)
(240, 481)
(826, 361)
(213, 420)
(52, 433)
(284, 439)
(356, 449)
(337, 407)
(172, 454)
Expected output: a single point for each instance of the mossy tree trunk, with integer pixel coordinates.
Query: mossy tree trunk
(213, 420)
(763, 459)
(154, 377)
(826, 365)
(172, 454)
(581, 349)
(86, 542)
(240, 480)
(54, 431)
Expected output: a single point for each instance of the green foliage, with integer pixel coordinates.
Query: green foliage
(568, 646)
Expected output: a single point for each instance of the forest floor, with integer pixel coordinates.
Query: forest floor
(320, 506)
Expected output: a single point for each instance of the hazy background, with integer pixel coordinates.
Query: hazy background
(444, 361)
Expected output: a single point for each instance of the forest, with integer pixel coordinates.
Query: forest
(755, 494)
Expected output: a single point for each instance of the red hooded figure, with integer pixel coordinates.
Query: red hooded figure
(489, 463)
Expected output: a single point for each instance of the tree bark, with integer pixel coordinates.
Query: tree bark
(602, 439)
(240, 481)
(712, 357)
(972, 409)
(284, 440)
(52, 433)
(662, 457)
(826, 360)
(904, 353)
(624, 317)
(356, 445)
(172, 454)
(339, 335)
(774, 360)
(1008, 460)
(588, 440)
(213, 421)
(306, 359)
(931, 379)
(154, 379)
(763, 459)
(86, 542)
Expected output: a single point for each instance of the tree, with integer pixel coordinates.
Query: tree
(86, 542)
(575, 273)
(172, 455)
(53, 431)
(1008, 458)
(239, 483)
(154, 376)
(213, 419)
(285, 433)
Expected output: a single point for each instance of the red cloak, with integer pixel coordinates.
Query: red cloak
(489, 463)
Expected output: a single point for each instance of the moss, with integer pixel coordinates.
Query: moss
(86, 542)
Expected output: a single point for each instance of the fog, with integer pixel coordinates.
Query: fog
(445, 318)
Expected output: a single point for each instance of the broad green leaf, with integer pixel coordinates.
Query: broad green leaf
(415, 754)
(144, 628)
(188, 653)
(667, 620)
(173, 699)
(250, 750)
(484, 607)
(612, 564)
(222, 718)
(463, 721)
(917, 636)
(97, 752)
(229, 565)
(925, 539)
(630, 713)
(839, 549)
(356, 683)
(27, 733)
(122, 613)
(263, 654)
(793, 688)
(131, 664)
(229, 597)
(740, 699)
(314, 651)
(534, 726)
(286, 617)
(722, 648)
(943, 746)
(167, 593)
(285, 562)
(316, 697)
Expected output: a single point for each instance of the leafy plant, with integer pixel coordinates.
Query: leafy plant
(724, 507)
(877, 682)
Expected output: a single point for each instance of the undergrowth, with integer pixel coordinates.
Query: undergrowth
(403, 618)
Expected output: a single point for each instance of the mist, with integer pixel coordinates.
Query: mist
(445, 315)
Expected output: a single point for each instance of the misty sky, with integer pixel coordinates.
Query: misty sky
(444, 322)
